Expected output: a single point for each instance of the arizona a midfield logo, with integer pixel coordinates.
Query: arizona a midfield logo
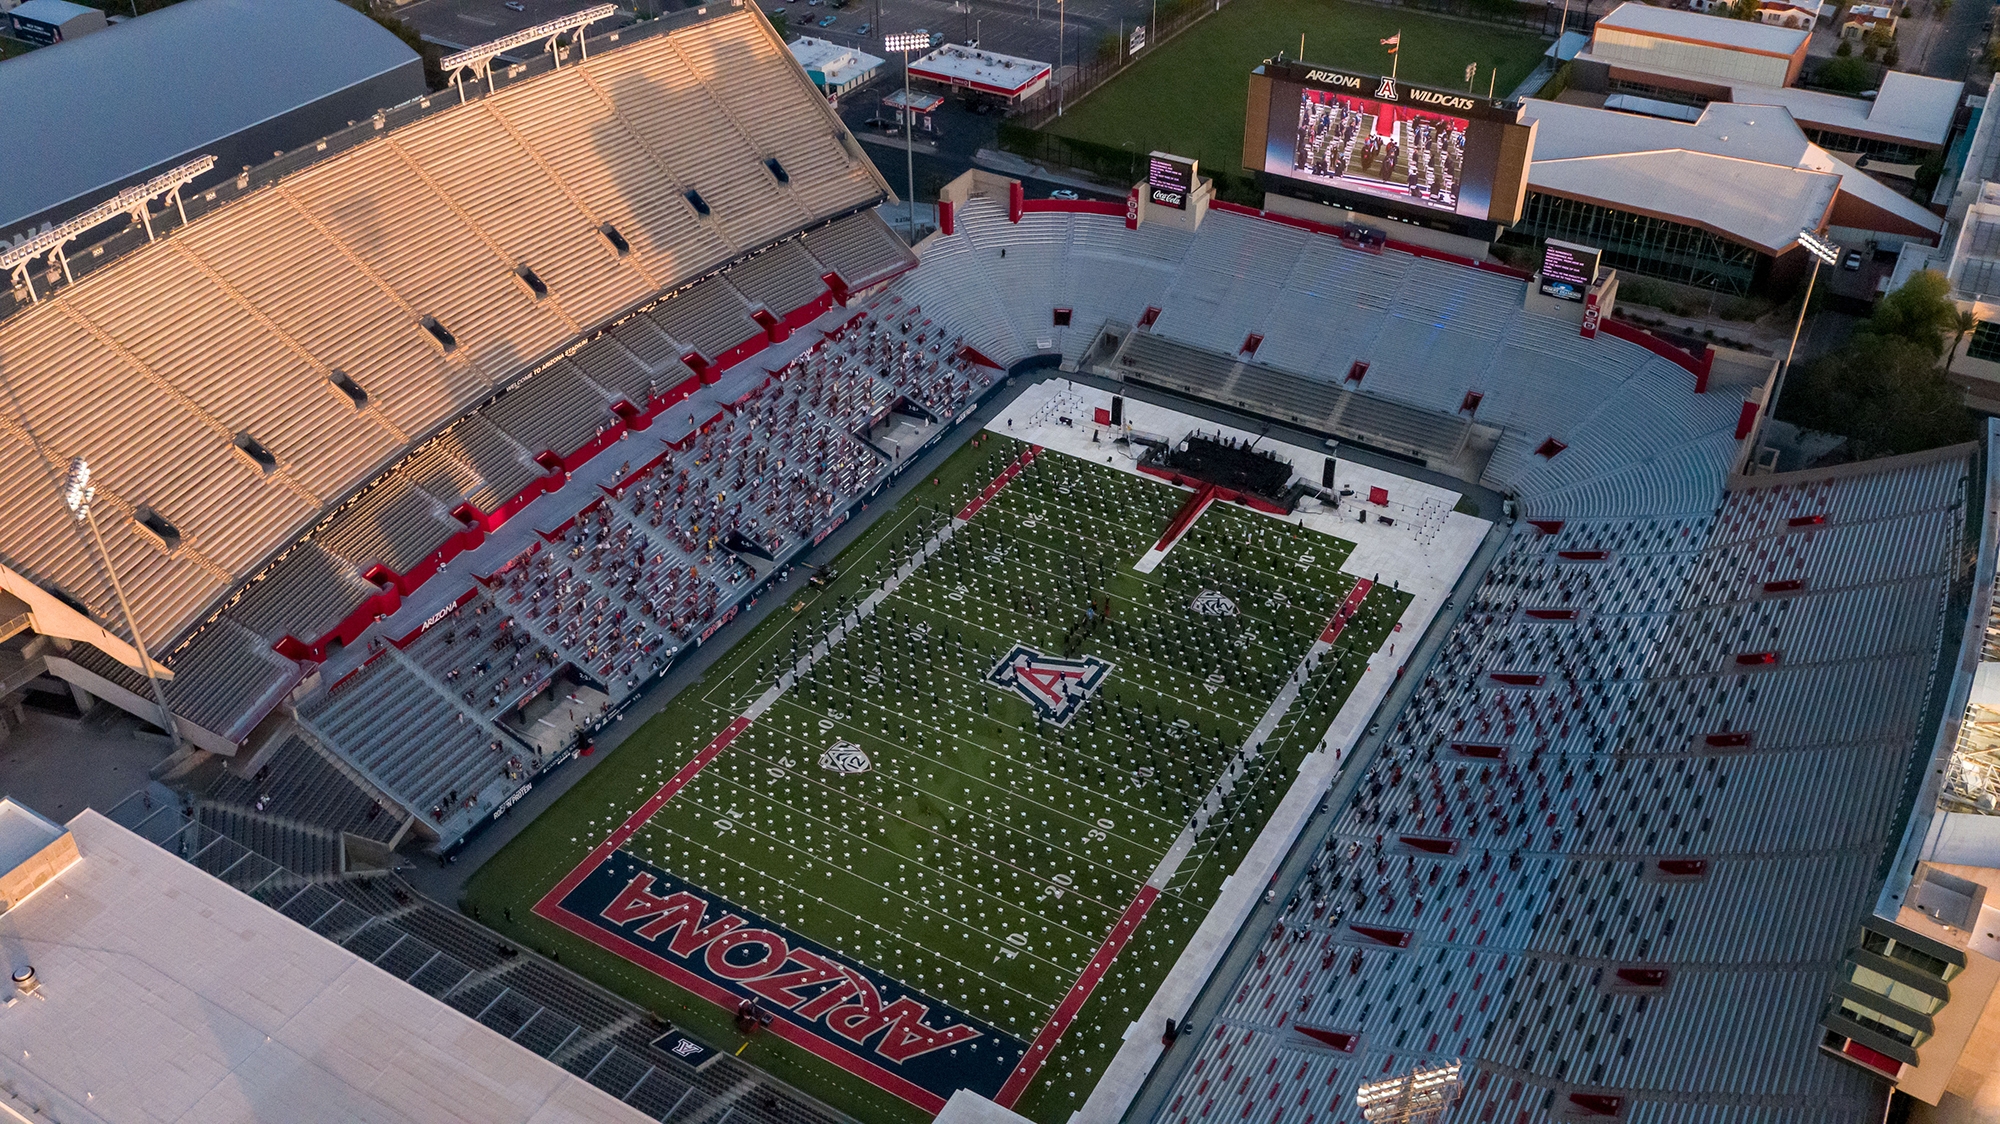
(1057, 688)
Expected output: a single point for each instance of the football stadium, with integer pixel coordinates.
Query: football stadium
(1163, 660)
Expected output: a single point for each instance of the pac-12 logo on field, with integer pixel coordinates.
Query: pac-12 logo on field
(1056, 687)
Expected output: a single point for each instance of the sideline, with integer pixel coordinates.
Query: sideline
(446, 883)
(1144, 1072)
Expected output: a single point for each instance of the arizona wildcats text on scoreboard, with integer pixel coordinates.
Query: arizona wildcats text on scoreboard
(1410, 148)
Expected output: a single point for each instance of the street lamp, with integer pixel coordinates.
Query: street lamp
(906, 42)
(1823, 253)
(77, 494)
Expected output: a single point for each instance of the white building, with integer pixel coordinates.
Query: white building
(832, 67)
(1638, 44)
(968, 68)
(166, 995)
(1795, 14)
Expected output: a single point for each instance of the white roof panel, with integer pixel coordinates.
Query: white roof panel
(170, 997)
(1909, 107)
(986, 70)
(57, 12)
(1742, 35)
(1764, 205)
(86, 114)
(1746, 171)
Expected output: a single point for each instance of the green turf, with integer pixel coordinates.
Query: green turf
(984, 858)
(1188, 97)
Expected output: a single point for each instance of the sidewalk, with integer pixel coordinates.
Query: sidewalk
(895, 142)
(1728, 333)
(1008, 164)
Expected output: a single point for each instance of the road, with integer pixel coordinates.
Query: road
(1956, 42)
(1027, 28)
(1053, 31)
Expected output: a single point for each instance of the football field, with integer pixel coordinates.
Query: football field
(1202, 77)
(945, 820)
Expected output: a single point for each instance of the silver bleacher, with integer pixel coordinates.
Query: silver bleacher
(1604, 774)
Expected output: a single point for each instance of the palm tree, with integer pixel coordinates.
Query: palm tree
(1964, 323)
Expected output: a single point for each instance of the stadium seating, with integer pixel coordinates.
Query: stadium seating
(1638, 439)
(608, 597)
(1579, 860)
(234, 381)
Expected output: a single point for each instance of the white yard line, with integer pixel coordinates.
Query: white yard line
(1252, 750)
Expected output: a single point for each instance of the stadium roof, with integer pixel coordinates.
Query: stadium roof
(170, 996)
(85, 115)
(1908, 107)
(1693, 27)
(1743, 171)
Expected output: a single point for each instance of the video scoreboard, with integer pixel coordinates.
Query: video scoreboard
(1568, 269)
(1170, 179)
(1411, 147)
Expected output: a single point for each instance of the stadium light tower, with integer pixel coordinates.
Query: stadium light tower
(1823, 253)
(77, 494)
(1417, 1097)
(906, 42)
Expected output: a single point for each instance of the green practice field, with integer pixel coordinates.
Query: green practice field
(984, 855)
(1188, 97)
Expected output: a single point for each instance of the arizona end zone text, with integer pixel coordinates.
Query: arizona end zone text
(868, 1024)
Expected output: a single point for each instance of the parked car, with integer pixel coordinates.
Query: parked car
(1064, 193)
(828, 21)
(1852, 262)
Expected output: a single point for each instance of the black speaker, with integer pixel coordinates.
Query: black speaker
(1326, 474)
(1117, 410)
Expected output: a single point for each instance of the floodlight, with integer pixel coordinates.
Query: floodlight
(1820, 248)
(905, 42)
(135, 201)
(77, 492)
(473, 56)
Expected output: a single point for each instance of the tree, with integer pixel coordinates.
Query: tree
(1849, 75)
(1920, 312)
(1966, 322)
(1884, 393)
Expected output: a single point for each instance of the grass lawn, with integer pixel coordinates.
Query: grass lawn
(984, 854)
(1188, 97)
